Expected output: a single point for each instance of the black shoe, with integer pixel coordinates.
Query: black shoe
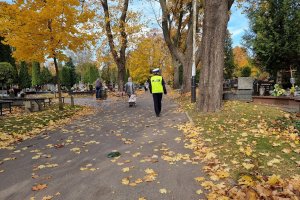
(157, 115)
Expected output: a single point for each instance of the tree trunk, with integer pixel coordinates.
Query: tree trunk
(60, 104)
(176, 84)
(187, 75)
(182, 54)
(216, 17)
(121, 76)
(120, 59)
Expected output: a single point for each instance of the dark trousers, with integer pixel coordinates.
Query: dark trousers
(157, 97)
(98, 92)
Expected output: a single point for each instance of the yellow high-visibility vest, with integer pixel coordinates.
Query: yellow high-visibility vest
(156, 84)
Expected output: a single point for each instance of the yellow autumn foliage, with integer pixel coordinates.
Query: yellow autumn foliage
(39, 30)
(150, 53)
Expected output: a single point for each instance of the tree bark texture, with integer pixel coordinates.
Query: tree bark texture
(216, 17)
(120, 59)
(176, 84)
(187, 75)
(60, 104)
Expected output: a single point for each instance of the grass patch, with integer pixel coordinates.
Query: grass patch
(23, 125)
(26, 122)
(245, 133)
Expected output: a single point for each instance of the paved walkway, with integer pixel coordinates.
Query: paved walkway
(72, 160)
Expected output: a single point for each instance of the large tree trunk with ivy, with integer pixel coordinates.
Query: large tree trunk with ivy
(216, 17)
(120, 59)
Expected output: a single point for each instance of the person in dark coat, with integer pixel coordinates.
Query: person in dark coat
(98, 88)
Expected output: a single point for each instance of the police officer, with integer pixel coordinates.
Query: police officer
(157, 88)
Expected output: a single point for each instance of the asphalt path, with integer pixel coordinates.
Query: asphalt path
(71, 161)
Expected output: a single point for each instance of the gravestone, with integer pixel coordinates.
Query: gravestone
(245, 83)
(245, 88)
(243, 91)
(263, 88)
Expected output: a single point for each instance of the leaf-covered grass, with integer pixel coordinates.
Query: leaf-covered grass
(25, 122)
(20, 126)
(245, 133)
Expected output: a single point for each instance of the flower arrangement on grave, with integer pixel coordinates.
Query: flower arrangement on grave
(292, 90)
(278, 91)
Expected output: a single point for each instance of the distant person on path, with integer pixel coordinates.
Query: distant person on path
(129, 87)
(157, 88)
(146, 85)
(98, 88)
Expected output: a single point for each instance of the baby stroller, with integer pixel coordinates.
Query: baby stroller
(132, 100)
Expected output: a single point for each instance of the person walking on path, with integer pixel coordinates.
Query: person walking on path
(129, 87)
(98, 88)
(157, 88)
(146, 85)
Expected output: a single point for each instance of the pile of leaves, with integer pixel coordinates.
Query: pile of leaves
(248, 151)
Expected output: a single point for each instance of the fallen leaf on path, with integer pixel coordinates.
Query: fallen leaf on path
(136, 154)
(207, 184)
(125, 181)
(75, 150)
(57, 146)
(36, 157)
(199, 179)
(126, 169)
(199, 192)
(39, 187)
(163, 191)
(149, 171)
(47, 197)
(11, 158)
(137, 181)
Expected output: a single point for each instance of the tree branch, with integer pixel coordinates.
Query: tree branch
(122, 29)
(166, 31)
(109, 32)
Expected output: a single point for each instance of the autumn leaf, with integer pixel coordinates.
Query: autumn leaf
(163, 191)
(248, 165)
(149, 171)
(273, 161)
(207, 184)
(39, 187)
(222, 174)
(274, 179)
(47, 197)
(125, 181)
(199, 192)
(126, 169)
(246, 180)
(199, 179)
